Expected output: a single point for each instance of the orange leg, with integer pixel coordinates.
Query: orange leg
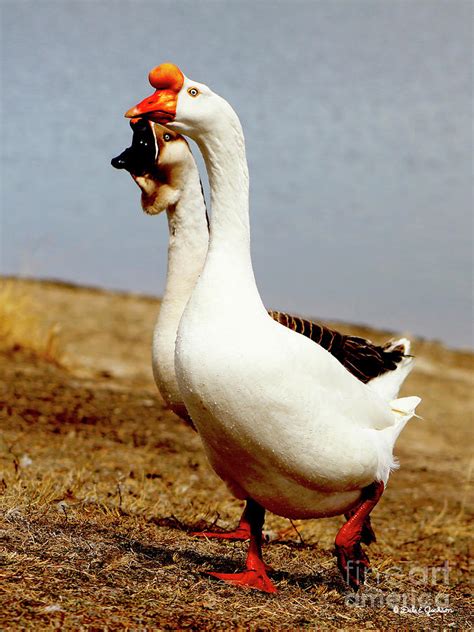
(241, 532)
(367, 535)
(254, 575)
(351, 559)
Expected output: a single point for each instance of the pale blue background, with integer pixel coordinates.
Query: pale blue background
(357, 116)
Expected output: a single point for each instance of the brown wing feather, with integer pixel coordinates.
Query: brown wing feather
(361, 357)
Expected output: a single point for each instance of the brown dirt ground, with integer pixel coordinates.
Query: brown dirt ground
(100, 487)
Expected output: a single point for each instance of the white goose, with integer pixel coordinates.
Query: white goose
(283, 423)
(162, 165)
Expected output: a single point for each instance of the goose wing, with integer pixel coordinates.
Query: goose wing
(361, 357)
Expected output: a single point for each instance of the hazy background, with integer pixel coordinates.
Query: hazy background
(357, 117)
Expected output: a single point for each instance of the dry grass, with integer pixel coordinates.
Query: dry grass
(100, 487)
(22, 326)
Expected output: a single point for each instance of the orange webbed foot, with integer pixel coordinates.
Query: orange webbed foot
(353, 564)
(352, 561)
(240, 534)
(249, 578)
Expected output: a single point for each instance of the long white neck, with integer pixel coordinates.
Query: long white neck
(228, 265)
(187, 248)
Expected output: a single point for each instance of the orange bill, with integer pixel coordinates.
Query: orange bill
(160, 107)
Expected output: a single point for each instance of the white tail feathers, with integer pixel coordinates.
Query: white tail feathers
(388, 385)
(405, 406)
(403, 409)
(402, 342)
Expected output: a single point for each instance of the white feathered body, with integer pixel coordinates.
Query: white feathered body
(282, 421)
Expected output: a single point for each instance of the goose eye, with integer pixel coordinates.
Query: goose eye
(193, 92)
(166, 137)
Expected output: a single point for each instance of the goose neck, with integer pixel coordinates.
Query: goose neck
(223, 150)
(188, 238)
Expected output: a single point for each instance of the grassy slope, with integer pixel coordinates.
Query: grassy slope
(99, 487)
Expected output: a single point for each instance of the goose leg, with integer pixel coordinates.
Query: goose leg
(351, 559)
(367, 535)
(254, 575)
(241, 532)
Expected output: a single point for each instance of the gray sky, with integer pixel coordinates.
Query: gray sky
(357, 117)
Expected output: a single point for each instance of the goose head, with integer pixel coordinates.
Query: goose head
(155, 160)
(181, 104)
